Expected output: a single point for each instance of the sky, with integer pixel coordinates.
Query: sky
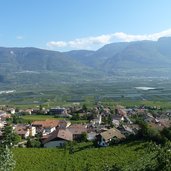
(64, 25)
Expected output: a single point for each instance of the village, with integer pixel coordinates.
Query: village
(101, 124)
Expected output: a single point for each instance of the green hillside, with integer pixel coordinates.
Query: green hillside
(131, 156)
(32, 66)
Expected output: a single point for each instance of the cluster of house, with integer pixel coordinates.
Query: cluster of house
(54, 133)
(58, 111)
(123, 122)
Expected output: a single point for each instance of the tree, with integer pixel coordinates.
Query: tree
(16, 119)
(83, 137)
(109, 120)
(10, 138)
(35, 143)
(84, 108)
(105, 120)
(166, 132)
(7, 163)
(91, 116)
(75, 116)
(40, 107)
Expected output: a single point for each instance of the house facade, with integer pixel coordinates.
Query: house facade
(57, 138)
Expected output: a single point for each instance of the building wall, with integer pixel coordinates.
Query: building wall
(68, 124)
(32, 131)
(47, 131)
(27, 134)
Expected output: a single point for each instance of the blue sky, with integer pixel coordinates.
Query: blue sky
(81, 24)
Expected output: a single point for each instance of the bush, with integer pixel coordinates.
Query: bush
(33, 143)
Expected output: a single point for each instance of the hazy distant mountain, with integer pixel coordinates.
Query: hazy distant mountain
(164, 46)
(143, 54)
(19, 59)
(32, 65)
(96, 58)
(118, 57)
(27, 65)
(82, 56)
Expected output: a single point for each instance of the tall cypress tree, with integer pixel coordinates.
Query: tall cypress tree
(7, 162)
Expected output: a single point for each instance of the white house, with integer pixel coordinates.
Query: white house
(97, 121)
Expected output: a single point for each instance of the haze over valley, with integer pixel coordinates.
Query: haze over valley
(113, 71)
(112, 61)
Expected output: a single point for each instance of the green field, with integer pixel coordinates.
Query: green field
(119, 90)
(109, 93)
(38, 117)
(131, 155)
(31, 118)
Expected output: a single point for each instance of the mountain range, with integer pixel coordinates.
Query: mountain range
(33, 65)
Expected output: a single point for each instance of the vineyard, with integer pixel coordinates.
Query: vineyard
(129, 156)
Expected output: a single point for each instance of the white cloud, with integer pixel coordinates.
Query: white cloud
(82, 42)
(128, 37)
(57, 44)
(90, 42)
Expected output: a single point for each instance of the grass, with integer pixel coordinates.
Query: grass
(31, 118)
(79, 121)
(84, 157)
(38, 117)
